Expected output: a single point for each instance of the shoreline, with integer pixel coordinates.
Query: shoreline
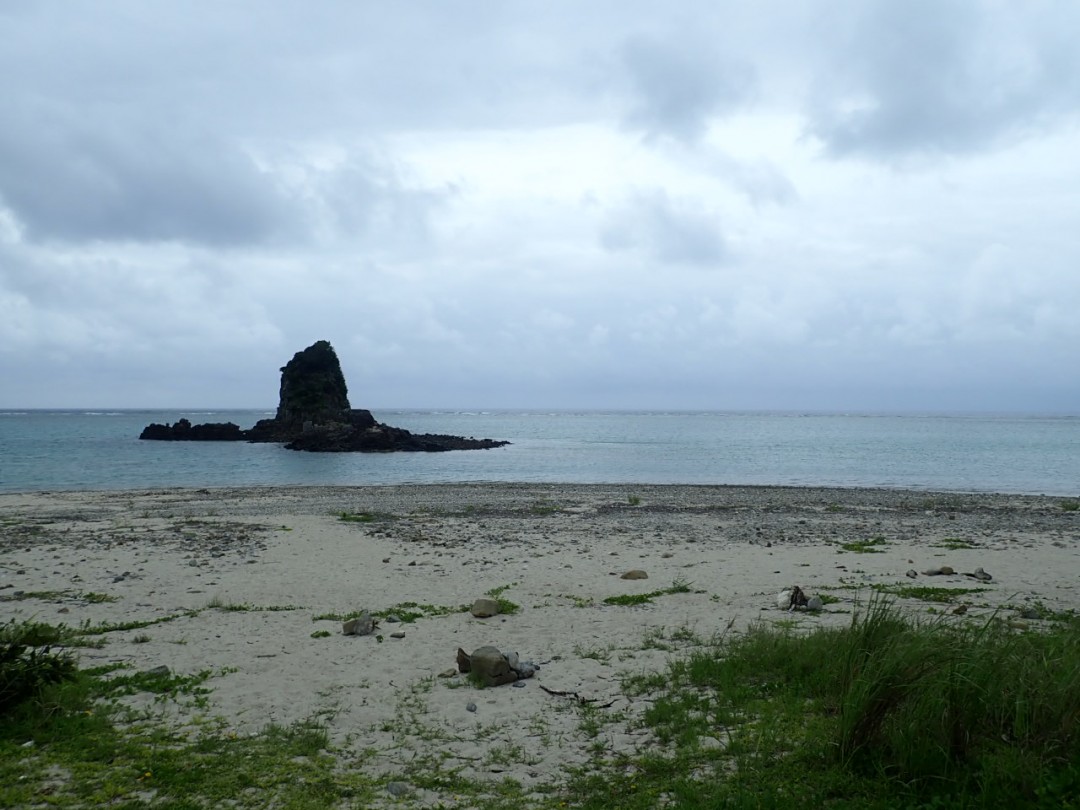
(240, 582)
(497, 484)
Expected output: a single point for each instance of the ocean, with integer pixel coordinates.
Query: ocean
(1025, 454)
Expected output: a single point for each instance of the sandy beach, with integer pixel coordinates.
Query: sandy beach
(251, 584)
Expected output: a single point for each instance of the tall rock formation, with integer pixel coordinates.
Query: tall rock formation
(314, 414)
(312, 387)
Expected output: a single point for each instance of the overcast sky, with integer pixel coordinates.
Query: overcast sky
(849, 204)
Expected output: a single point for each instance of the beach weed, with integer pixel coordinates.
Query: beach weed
(1070, 506)
(247, 607)
(89, 629)
(630, 599)
(98, 598)
(1045, 612)
(872, 545)
(543, 507)
(91, 750)
(405, 612)
(29, 665)
(956, 544)
(601, 654)
(506, 607)
(926, 593)
(884, 713)
(45, 596)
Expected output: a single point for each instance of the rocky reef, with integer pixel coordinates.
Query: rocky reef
(314, 414)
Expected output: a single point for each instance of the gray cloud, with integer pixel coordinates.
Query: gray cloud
(678, 232)
(944, 76)
(68, 178)
(678, 86)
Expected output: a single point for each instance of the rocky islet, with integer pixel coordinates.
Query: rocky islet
(314, 414)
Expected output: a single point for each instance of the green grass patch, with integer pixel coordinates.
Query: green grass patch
(628, 599)
(1070, 506)
(88, 629)
(98, 598)
(217, 603)
(581, 601)
(28, 663)
(544, 508)
(956, 544)
(874, 545)
(89, 751)
(506, 607)
(885, 713)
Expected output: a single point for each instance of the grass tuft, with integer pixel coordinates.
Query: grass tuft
(628, 599)
(871, 546)
(884, 713)
(28, 664)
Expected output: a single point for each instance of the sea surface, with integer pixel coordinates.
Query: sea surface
(1030, 454)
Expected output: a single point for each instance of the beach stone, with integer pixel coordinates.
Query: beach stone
(491, 667)
(981, 575)
(398, 635)
(470, 706)
(518, 684)
(635, 573)
(912, 573)
(398, 789)
(814, 603)
(448, 673)
(791, 598)
(484, 608)
(157, 672)
(514, 660)
(937, 572)
(464, 661)
(1029, 613)
(526, 669)
(362, 625)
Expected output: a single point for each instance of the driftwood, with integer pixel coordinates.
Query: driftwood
(582, 701)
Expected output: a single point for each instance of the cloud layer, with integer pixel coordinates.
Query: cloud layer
(844, 205)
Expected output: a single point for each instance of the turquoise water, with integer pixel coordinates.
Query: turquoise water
(49, 450)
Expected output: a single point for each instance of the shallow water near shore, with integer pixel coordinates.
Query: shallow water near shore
(1029, 454)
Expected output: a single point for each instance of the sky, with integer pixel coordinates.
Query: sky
(853, 205)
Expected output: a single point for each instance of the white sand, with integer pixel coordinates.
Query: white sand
(560, 549)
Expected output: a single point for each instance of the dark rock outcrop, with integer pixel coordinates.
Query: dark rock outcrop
(185, 431)
(314, 414)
